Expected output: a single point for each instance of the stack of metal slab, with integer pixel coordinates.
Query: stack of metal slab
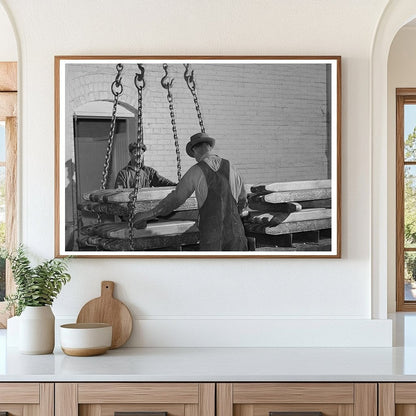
(172, 232)
(283, 210)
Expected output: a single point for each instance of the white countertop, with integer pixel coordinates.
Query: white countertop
(214, 364)
(221, 364)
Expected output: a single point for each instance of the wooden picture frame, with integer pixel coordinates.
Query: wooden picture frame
(277, 119)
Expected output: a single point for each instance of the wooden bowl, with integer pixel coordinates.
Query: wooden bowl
(84, 340)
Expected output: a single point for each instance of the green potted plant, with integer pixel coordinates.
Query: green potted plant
(36, 289)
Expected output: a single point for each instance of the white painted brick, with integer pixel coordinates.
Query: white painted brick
(269, 120)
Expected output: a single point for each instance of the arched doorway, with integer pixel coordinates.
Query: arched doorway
(395, 16)
(8, 150)
(84, 168)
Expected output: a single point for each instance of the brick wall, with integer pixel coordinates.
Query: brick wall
(269, 120)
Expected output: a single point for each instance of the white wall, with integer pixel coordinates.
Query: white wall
(401, 74)
(224, 301)
(261, 117)
(8, 45)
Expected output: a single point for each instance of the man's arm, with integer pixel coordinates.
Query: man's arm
(159, 180)
(121, 180)
(239, 190)
(176, 198)
(242, 199)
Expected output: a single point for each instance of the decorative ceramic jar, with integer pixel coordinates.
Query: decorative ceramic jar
(12, 334)
(37, 330)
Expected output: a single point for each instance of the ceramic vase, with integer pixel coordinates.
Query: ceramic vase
(12, 334)
(37, 330)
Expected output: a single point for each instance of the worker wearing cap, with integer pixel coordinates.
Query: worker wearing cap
(220, 194)
(148, 177)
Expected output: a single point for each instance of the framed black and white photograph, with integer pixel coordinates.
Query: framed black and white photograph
(198, 156)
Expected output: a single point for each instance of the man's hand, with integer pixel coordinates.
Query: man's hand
(141, 218)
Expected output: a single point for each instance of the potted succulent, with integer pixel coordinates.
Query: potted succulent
(36, 289)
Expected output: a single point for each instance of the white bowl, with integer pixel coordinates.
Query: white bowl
(83, 340)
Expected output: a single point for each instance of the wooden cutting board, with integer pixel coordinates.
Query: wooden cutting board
(108, 310)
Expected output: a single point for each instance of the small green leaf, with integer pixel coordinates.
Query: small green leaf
(35, 286)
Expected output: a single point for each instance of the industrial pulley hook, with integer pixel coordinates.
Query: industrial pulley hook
(166, 83)
(189, 76)
(139, 78)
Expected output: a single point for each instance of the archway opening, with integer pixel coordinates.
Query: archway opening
(383, 254)
(401, 104)
(8, 150)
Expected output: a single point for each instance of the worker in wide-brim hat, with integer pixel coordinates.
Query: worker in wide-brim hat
(220, 194)
(197, 139)
(148, 176)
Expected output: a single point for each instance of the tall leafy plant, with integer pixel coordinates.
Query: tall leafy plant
(35, 285)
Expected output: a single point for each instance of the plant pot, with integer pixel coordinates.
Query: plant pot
(12, 334)
(37, 330)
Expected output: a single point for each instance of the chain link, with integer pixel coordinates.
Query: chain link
(116, 84)
(117, 90)
(167, 84)
(138, 163)
(190, 82)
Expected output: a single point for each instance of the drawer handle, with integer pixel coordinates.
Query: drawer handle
(139, 414)
(295, 414)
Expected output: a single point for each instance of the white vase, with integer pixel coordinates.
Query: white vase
(37, 330)
(12, 334)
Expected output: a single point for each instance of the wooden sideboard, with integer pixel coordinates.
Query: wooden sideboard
(208, 399)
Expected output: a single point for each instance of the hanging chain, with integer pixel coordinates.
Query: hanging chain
(117, 90)
(190, 82)
(168, 84)
(138, 163)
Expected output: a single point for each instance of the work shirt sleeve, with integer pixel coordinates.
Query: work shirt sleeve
(121, 180)
(159, 180)
(184, 189)
(242, 197)
(238, 189)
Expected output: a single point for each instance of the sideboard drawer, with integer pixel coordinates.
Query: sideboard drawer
(297, 399)
(145, 399)
(397, 399)
(20, 399)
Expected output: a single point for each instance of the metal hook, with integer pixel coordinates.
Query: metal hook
(166, 83)
(139, 78)
(140, 75)
(189, 76)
